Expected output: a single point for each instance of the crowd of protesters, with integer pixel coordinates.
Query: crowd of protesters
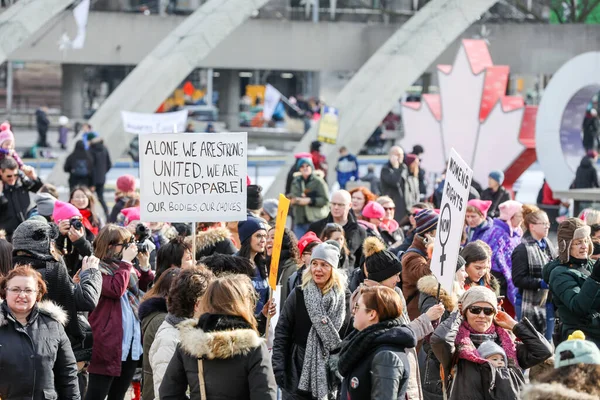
(87, 302)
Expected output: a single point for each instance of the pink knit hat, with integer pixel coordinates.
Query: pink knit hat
(6, 135)
(5, 126)
(131, 214)
(508, 209)
(482, 205)
(373, 210)
(64, 211)
(126, 183)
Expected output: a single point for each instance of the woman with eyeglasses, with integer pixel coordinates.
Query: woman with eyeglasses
(310, 328)
(115, 321)
(36, 360)
(456, 341)
(389, 229)
(528, 259)
(574, 281)
(372, 360)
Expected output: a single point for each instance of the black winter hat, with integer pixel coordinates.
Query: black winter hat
(34, 237)
(381, 264)
(460, 262)
(254, 197)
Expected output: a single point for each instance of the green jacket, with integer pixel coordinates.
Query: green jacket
(577, 297)
(315, 188)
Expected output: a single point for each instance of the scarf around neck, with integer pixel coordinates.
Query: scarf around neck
(326, 312)
(87, 221)
(467, 341)
(134, 294)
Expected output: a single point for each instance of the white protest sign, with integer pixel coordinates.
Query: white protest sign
(452, 219)
(140, 123)
(193, 178)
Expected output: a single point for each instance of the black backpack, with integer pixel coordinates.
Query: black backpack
(80, 168)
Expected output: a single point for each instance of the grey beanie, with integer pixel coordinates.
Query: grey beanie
(478, 294)
(328, 253)
(34, 237)
(489, 348)
(270, 207)
(45, 204)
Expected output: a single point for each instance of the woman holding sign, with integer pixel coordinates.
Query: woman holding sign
(253, 235)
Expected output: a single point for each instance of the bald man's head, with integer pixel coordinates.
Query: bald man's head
(340, 204)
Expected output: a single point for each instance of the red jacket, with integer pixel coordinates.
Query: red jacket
(548, 197)
(107, 321)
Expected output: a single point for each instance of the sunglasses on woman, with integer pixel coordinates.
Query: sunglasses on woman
(486, 310)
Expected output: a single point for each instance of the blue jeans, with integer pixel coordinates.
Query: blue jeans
(550, 320)
(300, 230)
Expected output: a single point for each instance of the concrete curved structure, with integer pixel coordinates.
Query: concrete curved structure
(560, 115)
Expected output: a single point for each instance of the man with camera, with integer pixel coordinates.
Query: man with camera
(15, 186)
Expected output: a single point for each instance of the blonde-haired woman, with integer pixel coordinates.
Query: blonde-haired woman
(221, 355)
(309, 327)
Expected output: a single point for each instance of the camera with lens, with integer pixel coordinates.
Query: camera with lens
(25, 180)
(142, 233)
(75, 223)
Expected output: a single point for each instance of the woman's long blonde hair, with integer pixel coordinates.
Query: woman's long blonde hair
(337, 279)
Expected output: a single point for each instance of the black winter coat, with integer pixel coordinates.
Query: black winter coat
(289, 343)
(101, 161)
(70, 296)
(373, 362)
(14, 203)
(73, 252)
(586, 175)
(79, 155)
(117, 208)
(36, 360)
(473, 381)
(41, 120)
(496, 198)
(235, 360)
(354, 233)
(393, 185)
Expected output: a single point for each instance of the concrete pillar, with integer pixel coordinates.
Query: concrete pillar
(229, 98)
(71, 94)
(426, 79)
(72, 99)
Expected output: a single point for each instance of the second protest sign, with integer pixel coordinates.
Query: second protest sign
(192, 178)
(451, 222)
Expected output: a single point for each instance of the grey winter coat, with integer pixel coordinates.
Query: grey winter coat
(474, 381)
(36, 361)
(236, 362)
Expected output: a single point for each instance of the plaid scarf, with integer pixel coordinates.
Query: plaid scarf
(134, 294)
(533, 304)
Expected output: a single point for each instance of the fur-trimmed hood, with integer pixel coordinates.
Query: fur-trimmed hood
(553, 391)
(45, 307)
(211, 237)
(429, 285)
(216, 344)
(316, 172)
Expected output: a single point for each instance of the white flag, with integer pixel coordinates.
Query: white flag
(80, 13)
(272, 97)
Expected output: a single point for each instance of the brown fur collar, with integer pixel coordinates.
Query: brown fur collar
(429, 285)
(218, 344)
(553, 391)
(211, 237)
(45, 307)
